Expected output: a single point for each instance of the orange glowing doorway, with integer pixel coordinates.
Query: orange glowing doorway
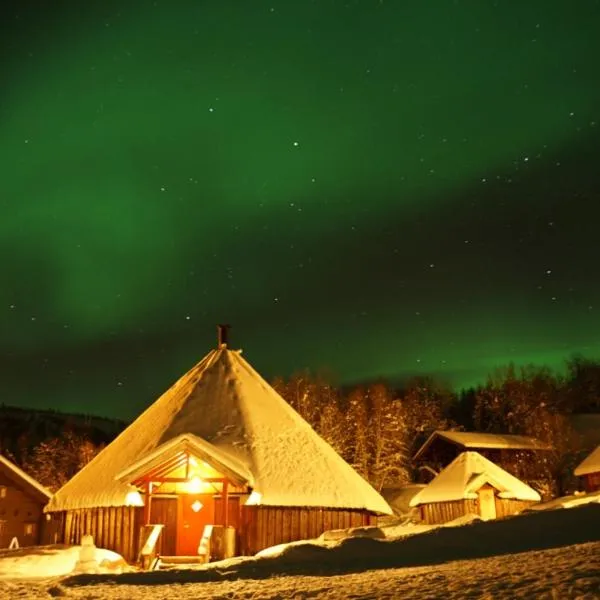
(190, 522)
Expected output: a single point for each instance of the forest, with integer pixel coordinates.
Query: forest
(376, 427)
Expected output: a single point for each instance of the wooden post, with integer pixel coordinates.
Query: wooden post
(225, 503)
(148, 494)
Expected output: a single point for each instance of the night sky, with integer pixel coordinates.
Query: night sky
(371, 187)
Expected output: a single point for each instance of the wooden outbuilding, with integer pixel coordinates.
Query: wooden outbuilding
(22, 501)
(472, 485)
(512, 452)
(589, 471)
(222, 465)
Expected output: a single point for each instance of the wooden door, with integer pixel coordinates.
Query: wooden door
(487, 503)
(164, 510)
(191, 522)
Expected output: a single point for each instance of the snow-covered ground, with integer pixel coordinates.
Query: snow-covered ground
(569, 573)
(552, 554)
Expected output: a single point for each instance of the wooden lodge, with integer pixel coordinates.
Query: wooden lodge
(22, 500)
(511, 452)
(220, 465)
(472, 485)
(589, 471)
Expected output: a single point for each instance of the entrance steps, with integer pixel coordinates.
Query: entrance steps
(174, 562)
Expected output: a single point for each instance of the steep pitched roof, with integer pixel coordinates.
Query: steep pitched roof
(590, 464)
(224, 404)
(21, 478)
(465, 475)
(474, 440)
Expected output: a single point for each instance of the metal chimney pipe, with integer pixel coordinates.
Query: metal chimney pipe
(223, 334)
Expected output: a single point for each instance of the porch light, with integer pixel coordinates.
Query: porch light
(197, 506)
(133, 498)
(254, 499)
(194, 485)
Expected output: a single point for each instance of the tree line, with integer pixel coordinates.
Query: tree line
(376, 427)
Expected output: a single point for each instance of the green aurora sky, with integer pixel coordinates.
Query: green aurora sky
(371, 187)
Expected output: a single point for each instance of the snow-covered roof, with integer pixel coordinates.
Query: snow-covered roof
(590, 464)
(223, 403)
(465, 475)
(474, 440)
(39, 489)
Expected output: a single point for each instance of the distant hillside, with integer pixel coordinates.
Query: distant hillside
(21, 429)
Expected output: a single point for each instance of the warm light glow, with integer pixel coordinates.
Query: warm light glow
(197, 506)
(193, 461)
(254, 499)
(134, 499)
(194, 486)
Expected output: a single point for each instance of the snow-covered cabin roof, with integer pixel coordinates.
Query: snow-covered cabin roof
(474, 440)
(223, 402)
(590, 464)
(465, 475)
(18, 475)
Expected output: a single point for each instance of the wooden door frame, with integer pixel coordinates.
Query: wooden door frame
(487, 488)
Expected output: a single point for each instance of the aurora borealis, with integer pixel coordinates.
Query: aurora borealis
(372, 187)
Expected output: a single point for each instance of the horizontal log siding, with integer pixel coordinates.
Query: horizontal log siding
(442, 512)
(115, 528)
(264, 526)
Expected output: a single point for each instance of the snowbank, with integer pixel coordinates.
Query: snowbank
(578, 499)
(480, 539)
(566, 573)
(53, 561)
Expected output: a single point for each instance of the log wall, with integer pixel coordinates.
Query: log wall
(264, 526)
(115, 528)
(258, 527)
(19, 511)
(506, 507)
(591, 482)
(442, 512)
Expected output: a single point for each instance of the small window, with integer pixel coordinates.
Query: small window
(29, 528)
(3, 491)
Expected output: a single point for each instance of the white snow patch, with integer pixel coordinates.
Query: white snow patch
(54, 561)
(578, 499)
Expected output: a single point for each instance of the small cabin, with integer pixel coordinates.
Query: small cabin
(589, 471)
(22, 501)
(511, 452)
(472, 485)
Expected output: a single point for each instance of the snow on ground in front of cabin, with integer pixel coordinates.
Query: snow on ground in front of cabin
(568, 573)
(540, 554)
(53, 561)
(577, 499)
(334, 537)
